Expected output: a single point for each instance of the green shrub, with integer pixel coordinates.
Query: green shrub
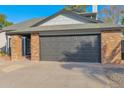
(2, 53)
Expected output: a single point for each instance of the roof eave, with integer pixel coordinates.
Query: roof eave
(100, 29)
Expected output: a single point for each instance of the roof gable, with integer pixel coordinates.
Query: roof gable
(63, 19)
(63, 16)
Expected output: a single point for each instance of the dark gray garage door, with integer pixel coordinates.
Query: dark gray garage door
(81, 48)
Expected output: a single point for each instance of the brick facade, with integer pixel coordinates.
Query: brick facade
(16, 48)
(111, 47)
(35, 47)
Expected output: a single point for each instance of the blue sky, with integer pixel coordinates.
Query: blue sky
(18, 13)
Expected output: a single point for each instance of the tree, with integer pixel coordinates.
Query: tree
(111, 14)
(3, 21)
(7, 23)
(122, 21)
(76, 8)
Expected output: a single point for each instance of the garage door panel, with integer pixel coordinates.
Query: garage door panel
(85, 48)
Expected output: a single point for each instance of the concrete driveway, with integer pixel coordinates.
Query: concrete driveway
(53, 74)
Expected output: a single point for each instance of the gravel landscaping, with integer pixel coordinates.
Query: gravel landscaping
(116, 75)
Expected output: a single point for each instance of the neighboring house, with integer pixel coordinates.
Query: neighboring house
(66, 36)
(3, 41)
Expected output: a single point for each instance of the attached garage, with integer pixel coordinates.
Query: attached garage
(70, 48)
(66, 36)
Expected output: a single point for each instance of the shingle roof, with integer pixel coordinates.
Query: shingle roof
(69, 27)
(24, 24)
(93, 15)
(37, 21)
(33, 25)
(88, 13)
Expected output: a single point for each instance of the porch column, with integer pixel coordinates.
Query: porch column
(111, 47)
(35, 47)
(16, 48)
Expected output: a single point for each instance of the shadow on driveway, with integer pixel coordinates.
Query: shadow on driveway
(96, 71)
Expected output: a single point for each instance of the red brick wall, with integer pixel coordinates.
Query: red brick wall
(35, 47)
(111, 47)
(16, 48)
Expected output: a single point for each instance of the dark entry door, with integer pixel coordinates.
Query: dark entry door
(81, 48)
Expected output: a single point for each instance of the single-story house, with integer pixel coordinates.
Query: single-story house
(65, 36)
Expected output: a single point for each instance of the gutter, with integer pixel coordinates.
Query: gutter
(38, 31)
(100, 26)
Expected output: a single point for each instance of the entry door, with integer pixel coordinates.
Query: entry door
(81, 48)
(26, 46)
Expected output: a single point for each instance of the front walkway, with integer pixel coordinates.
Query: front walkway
(54, 74)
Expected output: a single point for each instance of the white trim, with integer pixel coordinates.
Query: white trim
(8, 44)
(24, 46)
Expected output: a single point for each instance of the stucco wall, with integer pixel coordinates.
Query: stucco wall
(2, 40)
